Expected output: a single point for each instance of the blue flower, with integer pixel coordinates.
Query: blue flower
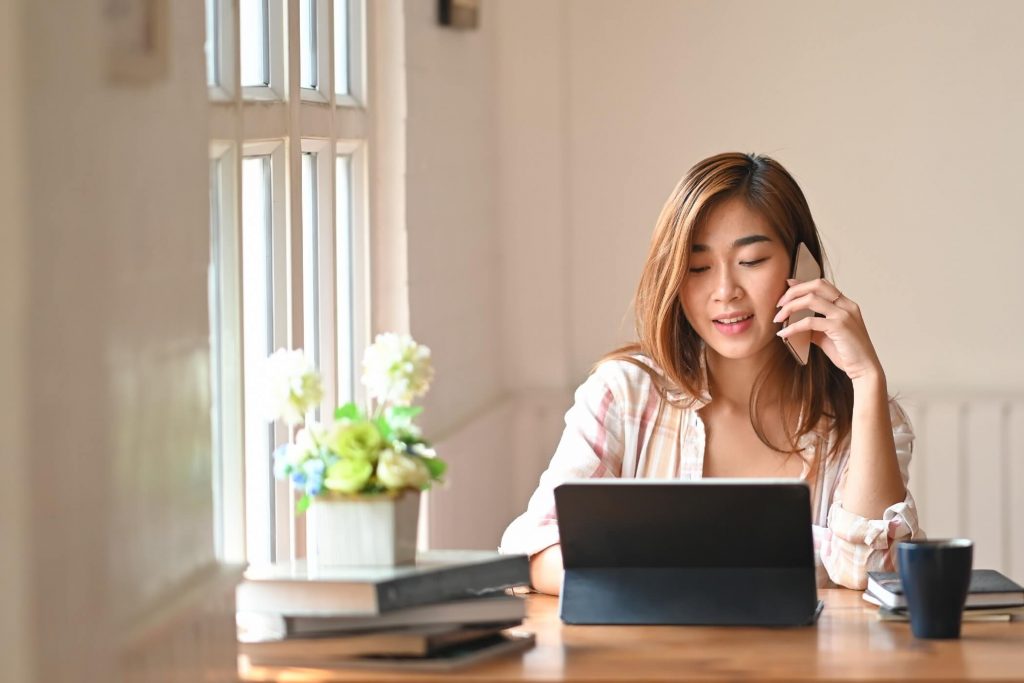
(314, 471)
(313, 467)
(314, 484)
(282, 468)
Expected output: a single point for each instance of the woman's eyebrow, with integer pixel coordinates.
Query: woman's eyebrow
(741, 242)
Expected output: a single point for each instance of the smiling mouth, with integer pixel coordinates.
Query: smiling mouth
(732, 321)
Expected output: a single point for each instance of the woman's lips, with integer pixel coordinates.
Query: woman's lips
(734, 328)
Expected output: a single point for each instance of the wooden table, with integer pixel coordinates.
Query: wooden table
(848, 643)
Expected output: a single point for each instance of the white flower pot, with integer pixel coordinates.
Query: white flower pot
(362, 531)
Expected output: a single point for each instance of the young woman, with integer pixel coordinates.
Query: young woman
(710, 389)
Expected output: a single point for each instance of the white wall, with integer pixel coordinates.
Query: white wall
(454, 258)
(454, 262)
(118, 520)
(15, 641)
(901, 122)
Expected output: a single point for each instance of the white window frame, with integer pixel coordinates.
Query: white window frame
(356, 290)
(225, 43)
(358, 95)
(276, 88)
(326, 269)
(226, 359)
(324, 49)
(266, 499)
(284, 120)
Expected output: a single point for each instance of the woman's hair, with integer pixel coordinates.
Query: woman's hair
(807, 393)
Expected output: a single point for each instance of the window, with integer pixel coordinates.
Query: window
(225, 355)
(349, 46)
(261, 55)
(220, 55)
(341, 46)
(212, 36)
(255, 38)
(258, 333)
(288, 240)
(311, 255)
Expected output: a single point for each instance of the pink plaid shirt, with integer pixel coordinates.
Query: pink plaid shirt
(609, 432)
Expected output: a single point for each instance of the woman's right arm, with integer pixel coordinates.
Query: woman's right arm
(591, 446)
(546, 570)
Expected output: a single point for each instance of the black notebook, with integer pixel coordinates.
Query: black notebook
(988, 588)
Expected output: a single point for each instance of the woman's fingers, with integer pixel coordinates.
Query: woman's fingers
(822, 287)
(813, 324)
(813, 302)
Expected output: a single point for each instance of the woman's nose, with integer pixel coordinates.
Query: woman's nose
(726, 287)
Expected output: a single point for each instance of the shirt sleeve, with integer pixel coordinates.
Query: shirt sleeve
(853, 545)
(590, 447)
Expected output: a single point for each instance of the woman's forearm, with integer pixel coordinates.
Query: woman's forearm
(546, 570)
(873, 481)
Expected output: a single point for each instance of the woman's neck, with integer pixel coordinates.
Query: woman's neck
(731, 380)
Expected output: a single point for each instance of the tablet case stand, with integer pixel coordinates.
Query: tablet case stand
(687, 552)
(758, 597)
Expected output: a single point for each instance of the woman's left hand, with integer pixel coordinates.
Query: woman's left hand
(841, 334)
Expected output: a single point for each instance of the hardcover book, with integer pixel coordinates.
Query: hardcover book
(409, 641)
(294, 589)
(988, 588)
(451, 658)
(473, 611)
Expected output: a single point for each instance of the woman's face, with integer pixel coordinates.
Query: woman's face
(737, 273)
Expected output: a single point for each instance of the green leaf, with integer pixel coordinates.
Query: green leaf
(436, 466)
(303, 504)
(384, 428)
(349, 411)
(406, 412)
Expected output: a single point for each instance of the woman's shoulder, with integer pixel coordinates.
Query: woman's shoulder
(632, 378)
(632, 369)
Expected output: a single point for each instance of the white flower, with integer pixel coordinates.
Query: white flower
(287, 386)
(396, 369)
(309, 438)
(423, 450)
(397, 471)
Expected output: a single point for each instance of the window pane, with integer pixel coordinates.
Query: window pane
(346, 362)
(310, 259)
(212, 42)
(213, 294)
(255, 42)
(307, 44)
(341, 42)
(257, 336)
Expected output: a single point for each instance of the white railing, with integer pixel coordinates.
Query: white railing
(967, 473)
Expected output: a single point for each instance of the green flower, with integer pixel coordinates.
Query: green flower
(360, 440)
(348, 475)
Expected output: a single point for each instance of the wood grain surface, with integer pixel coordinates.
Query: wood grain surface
(848, 643)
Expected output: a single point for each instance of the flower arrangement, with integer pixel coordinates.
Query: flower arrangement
(376, 451)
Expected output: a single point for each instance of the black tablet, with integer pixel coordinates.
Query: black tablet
(713, 551)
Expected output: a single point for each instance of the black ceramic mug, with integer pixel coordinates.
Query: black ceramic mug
(935, 577)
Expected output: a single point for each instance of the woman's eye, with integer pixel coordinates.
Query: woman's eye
(700, 269)
(755, 262)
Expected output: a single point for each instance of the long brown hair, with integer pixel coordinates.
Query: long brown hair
(808, 393)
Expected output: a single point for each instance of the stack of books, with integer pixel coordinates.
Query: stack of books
(991, 597)
(451, 609)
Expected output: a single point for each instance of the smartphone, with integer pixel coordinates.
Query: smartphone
(805, 268)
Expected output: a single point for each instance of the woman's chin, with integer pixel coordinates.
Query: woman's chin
(742, 349)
